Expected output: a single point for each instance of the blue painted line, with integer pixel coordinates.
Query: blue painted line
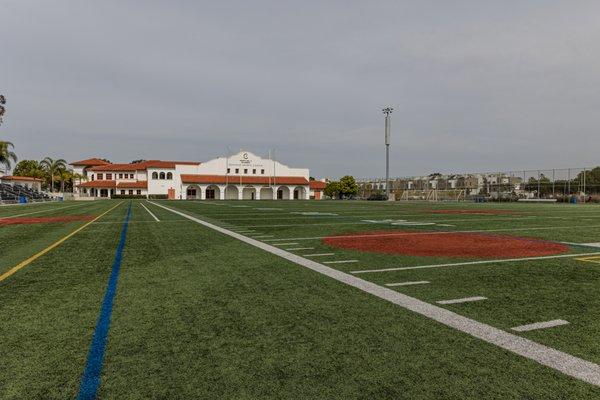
(90, 381)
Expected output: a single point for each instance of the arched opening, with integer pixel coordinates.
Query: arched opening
(169, 175)
(266, 193)
(231, 192)
(299, 193)
(192, 192)
(283, 193)
(162, 175)
(212, 192)
(155, 175)
(249, 193)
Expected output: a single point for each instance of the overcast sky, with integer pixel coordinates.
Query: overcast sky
(476, 85)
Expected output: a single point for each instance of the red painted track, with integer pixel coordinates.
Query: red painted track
(439, 244)
(44, 220)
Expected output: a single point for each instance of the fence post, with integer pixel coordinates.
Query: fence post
(584, 174)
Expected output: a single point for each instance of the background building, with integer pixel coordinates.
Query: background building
(241, 176)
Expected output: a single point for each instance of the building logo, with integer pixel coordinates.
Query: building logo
(245, 159)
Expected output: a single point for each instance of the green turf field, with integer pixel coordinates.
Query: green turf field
(202, 314)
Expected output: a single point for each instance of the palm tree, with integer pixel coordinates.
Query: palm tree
(64, 175)
(76, 179)
(7, 156)
(52, 167)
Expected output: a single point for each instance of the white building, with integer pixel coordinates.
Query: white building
(241, 176)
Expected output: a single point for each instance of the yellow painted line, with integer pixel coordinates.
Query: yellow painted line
(34, 257)
(595, 260)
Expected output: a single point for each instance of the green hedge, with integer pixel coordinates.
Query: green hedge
(128, 196)
(158, 196)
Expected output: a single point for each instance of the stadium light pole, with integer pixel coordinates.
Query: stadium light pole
(387, 111)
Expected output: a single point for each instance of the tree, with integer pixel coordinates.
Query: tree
(30, 168)
(544, 185)
(2, 109)
(64, 175)
(7, 156)
(52, 168)
(332, 189)
(348, 186)
(592, 180)
(136, 161)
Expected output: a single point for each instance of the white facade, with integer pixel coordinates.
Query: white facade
(241, 176)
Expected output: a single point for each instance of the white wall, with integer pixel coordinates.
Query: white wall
(247, 160)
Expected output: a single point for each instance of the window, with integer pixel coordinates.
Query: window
(155, 175)
(245, 170)
(130, 176)
(262, 171)
(100, 176)
(92, 176)
(254, 171)
(130, 191)
(162, 175)
(121, 176)
(122, 191)
(139, 191)
(228, 170)
(108, 177)
(237, 170)
(169, 175)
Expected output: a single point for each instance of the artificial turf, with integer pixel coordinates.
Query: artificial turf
(201, 315)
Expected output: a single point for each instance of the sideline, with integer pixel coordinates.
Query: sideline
(34, 257)
(548, 356)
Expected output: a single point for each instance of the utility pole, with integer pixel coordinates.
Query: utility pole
(387, 111)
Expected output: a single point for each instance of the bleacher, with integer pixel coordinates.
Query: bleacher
(12, 193)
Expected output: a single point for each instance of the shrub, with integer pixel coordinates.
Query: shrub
(128, 196)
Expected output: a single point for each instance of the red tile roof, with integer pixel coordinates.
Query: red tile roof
(90, 162)
(317, 185)
(99, 184)
(118, 167)
(132, 185)
(243, 179)
(143, 165)
(19, 178)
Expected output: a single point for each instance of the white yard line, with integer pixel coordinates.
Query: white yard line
(43, 211)
(596, 245)
(286, 244)
(463, 300)
(443, 232)
(540, 325)
(318, 255)
(262, 236)
(502, 260)
(301, 248)
(150, 212)
(548, 356)
(340, 262)
(406, 283)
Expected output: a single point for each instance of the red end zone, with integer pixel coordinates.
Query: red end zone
(44, 220)
(444, 244)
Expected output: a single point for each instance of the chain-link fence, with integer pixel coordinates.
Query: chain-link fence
(562, 185)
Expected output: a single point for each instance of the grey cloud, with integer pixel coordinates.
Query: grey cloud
(477, 85)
